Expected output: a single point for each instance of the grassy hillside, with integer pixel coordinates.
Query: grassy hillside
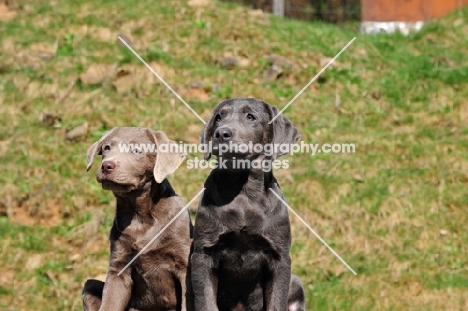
(395, 210)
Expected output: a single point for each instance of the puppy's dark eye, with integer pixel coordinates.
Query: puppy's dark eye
(251, 117)
(106, 148)
(217, 118)
(136, 150)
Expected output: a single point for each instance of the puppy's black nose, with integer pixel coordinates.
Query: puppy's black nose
(107, 166)
(223, 134)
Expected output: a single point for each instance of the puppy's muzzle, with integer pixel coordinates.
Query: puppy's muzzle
(107, 167)
(223, 134)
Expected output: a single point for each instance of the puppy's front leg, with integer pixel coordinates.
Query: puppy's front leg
(182, 277)
(118, 288)
(277, 287)
(204, 282)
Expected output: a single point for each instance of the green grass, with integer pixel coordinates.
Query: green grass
(394, 210)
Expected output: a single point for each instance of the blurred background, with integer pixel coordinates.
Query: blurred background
(336, 11)
(395, 210)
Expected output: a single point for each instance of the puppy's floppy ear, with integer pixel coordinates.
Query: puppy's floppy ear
(205, 138)
(95, 149)
(169, 155)
(281, 130)
(208, 129)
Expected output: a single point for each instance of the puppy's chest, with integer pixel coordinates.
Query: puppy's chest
(244, 228)
(244, 246)
(242, 215)
(138, 234)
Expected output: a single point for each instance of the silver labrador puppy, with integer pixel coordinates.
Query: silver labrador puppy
(240, 252)
(146, 203)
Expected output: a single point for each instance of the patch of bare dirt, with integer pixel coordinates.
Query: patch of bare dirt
(128, 77)
(47, 217)
(103, 34)
(199, 3)
(43, 50)
(21, 216)
(77, 132)
(6, 277)
(464, 111)
(25, 60)
(5, 12)
(96, 74)
(197, 93)
(34, 261)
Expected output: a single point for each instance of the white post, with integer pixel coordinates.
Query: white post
(278, 7)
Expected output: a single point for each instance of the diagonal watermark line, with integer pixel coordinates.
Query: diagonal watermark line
(313, 79)
(161, 79)
(160, 232)
(313, 231)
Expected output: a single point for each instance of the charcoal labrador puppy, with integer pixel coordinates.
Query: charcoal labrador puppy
(146, 203)
(240, 253)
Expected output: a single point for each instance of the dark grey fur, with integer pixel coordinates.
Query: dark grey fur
(240, 253)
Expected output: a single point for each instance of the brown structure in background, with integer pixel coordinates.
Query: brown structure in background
(407, 10)
(335, 11)
(338, 11)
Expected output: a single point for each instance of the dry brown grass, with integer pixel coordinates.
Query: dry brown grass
(395, 210)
